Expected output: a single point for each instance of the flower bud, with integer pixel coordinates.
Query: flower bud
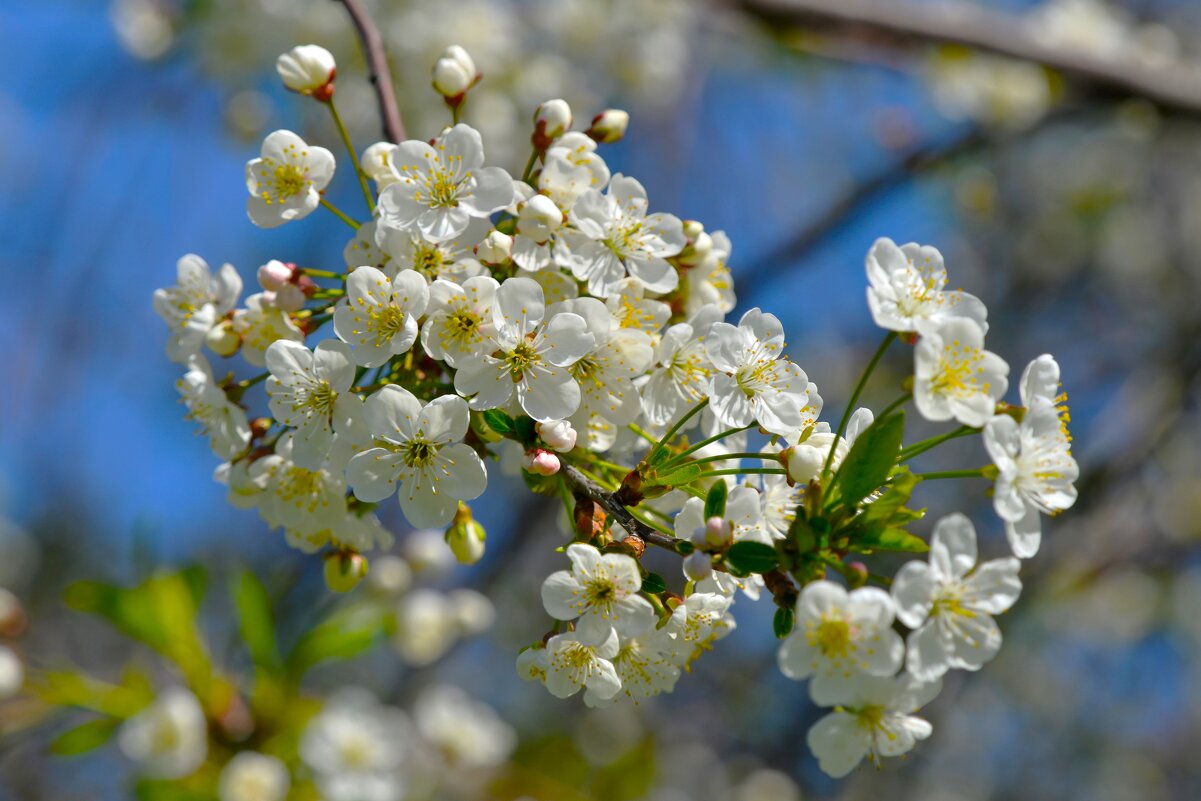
(698, 566)
(804, 463)
(551, 120)
(454, 73)
(12, 673)
(275, 275)
(540, 461)
(309, 70)
(465, 536)
(699, 247)
(377, 163)
(344, 570)
(558, 435)
(289, 298)
(496, 248)
(222, 339)
(717, 531)
(539, 218)
(698, 538)
(12, 616)
(856, 574)
(390, 576)
(609, 126)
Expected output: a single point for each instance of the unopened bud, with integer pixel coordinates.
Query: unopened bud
(804, 463)
(465, 536)
(309, 70)
(551, 120)
(540, 461)
(558, 435)
(222, 340)
(856, 574)
(539, 218)
(289, 298)
(344, 570)
(275, 275)
(699, 248)
(717, 531)
(454, 73)
(609, 126)
(377, 163)
(496, 248)
(698, 566)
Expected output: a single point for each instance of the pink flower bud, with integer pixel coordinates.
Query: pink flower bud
(717, 531)
(540, 461)
(558, 435)
(275, 275)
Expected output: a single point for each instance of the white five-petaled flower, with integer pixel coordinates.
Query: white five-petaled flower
(251, 776)
(874, 719)
(752, 383)
(224, 423)
(260, 324)
(379, 315)
(443, 185)
(466, 732)
(1037, 470)
(357, 748)
(906, 288)
(420, 447)
(168, 739)
(710, 282)
(458, 318)
(682, 369)
(950, 602)
(195, 303)
(607, 371)
(839, 637)
(453, 258)
(304, 502)
(529, 357)
(954, 376)
(308, 390)
(575, 661)
(286, 181)
(601, 590)
(696, 624)
(612, 235)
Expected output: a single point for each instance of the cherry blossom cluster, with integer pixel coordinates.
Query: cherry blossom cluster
(556, 325)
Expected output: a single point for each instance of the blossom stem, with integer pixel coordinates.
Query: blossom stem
(662, 443)
(977, 473)
(250, 382)
(529, 166)
(377, 64)
(766, 457)
(926, 444)
(340, 214)
(846, 413)
(640, 431)
(322, 274)
(354, 156)
(709, 441)
(896, 404)
(738, 471)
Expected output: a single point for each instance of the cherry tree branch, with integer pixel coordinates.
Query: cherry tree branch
(582, 485)
(1175, 86)
(378, 71)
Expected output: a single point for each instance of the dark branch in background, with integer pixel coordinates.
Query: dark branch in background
(1175, 87)
(377, 68)
(582, 485)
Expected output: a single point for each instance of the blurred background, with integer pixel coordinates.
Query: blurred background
(1052, 151)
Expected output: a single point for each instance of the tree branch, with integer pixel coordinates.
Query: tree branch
(377, 68)
(582, 485)
(1176, 87)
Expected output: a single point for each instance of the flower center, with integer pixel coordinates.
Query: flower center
(521, 359)
(320, 399)
(288, 180)
(832, 636)
(958, 369)
(418, 452)
(429, 260)
(461, 326)
(388, 322)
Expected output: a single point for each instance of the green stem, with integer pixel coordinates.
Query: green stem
(662, 443)
(709, 441)
(926, 444)
(322, 274)
(977, 473)
(738, 471)
(642, 432)
(766, 457)
(896, 404)
(354, 156)
(529, 166)
(250, 382)
(340, 214)
(846, 413)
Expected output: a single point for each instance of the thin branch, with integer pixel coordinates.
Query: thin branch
(378, 71)
(1175, 86)
(585, 486)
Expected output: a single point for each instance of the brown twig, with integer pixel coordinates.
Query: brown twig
(585, 486)
(1176, 87)
(377, 68)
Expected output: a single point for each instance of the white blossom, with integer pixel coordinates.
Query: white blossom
(251, 776)
(601, 590)
(466, 732)
(223, 422)
(420, 446)
(295, 498)
(379, 315)
(308, 390)
(260, 324)
(906, 288)
(195, 303)
(840, 637)
(954, 377)
(710, 281)
(950, 602)
(443, 185)
(575, 661)
(682, 369)
(286, 181)
(168, 739)
(356, 748)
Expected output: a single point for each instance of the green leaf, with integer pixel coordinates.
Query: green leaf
(341, 636)
(715, 501)
(871, 459)
(84, 738)
(653, 584)
(255, 620)
(801, 533)
(888, 538)
(781, 622)
(752, 557)
(499, 421)
(885, 508)
(524, 429)
(680, 474)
